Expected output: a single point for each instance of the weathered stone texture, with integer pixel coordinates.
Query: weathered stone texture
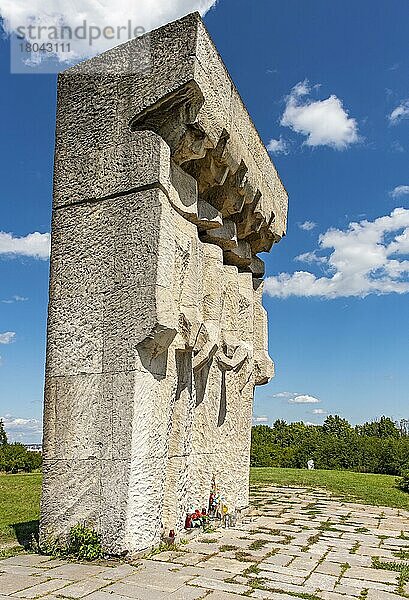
(163, 196)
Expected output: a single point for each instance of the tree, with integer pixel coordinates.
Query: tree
(335, 425)
(384, 428)
(3, 434)
(374, 447)
(15, 458)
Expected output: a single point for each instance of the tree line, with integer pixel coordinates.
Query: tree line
(15, 458)
(380, 446)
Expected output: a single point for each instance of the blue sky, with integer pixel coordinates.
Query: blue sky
(328, 83)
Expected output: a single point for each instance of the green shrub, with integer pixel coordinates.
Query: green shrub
(403, 482)
(84, 543)
(15, 458)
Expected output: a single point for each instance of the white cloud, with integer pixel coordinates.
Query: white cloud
(323, 122)
(14, 299)
(307, 225)
(319, 411)
(366, 258)
(36, 245)
(284, 394)
(399, 113)
(311, 257)
(260, 420)
(304, 399)
(280, 146)
(147, 14)
(7, 337)
(22, 430)
(400, 190)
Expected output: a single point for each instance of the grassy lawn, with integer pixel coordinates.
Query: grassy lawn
(379, 490)
(19, 508)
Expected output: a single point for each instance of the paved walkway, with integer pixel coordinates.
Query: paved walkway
(300, 543)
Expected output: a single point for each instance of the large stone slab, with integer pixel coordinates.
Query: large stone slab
(164, 195)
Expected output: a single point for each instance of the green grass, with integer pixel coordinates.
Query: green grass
(19, 508)
(378, 490)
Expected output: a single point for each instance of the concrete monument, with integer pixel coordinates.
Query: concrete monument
(164, 196)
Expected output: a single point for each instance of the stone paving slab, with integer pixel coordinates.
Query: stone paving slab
(19, 570)
(296, 542)
(26, 560)
(83, 588)
(11, 584)
(132, 591)
(74, 571)
(372, 574)
(168, 582)
(117, 573)
(41, 589)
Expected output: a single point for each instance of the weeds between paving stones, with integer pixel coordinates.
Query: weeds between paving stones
(313, 539)
(209, 556)
(303, 596)
(209, 541)
(402, 554)
(265, 530)
(345, 518)
(321, 560)
(309, 506)
(328, 526)
(258, 584)
(254, 531)
(227, 548)
(354, 548)
(364, 594)
(381, 516)
(243, 556)
(252, 570)
(164, 547)
(271, 553)
(209, 530)
(403, 536)
(361, 530)
(258, 544)
(287, 540)
(401, 568)
(344, 569)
